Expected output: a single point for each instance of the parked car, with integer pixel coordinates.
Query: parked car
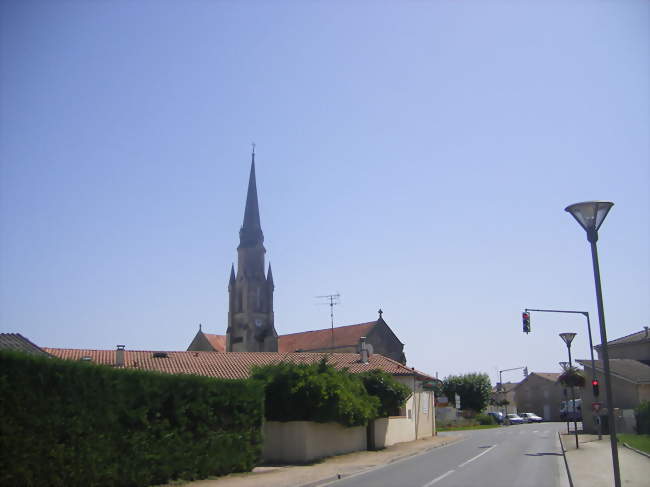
(531, 418)
(513, 419)
(498, 416)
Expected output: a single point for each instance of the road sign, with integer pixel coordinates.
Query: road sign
(457, 401)
(595, 407)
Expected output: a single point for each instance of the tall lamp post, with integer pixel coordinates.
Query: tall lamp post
(590, 215)
(568, 338)
(564, 366)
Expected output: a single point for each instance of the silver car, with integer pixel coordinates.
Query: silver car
(531, 418)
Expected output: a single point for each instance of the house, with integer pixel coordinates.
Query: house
(417, 421)
(341, 339)
(629, 365)
(501, 393)
(15, 341)
(541, 393)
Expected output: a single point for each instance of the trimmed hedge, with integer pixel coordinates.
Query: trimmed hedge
(315, 392)
(69, 423)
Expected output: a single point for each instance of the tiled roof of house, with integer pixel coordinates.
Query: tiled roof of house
(232, 365)
(15, 341)
(552, 376)
(218, 342)
(631, 370)
(638, 336)
(319, 339)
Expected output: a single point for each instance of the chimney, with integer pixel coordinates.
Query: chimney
(363, 351)
(119, 356)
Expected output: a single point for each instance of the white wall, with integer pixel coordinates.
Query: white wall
(305, 441)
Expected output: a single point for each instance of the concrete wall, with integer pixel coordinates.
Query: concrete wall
(626, 395)
(396, 429)
(305, 441)
(420, 408)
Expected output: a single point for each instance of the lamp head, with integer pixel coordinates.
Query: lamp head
(568, 338)
(564, 365)
(590, 215)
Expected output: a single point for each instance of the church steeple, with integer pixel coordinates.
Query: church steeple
(250, 233)
(250, 313)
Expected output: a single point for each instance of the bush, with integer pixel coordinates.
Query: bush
(572, 377)
(485, 419)
(642, 413)
(391, 394)
(70, 423)
(315, 392)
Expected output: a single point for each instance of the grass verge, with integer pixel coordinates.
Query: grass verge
(640, 442)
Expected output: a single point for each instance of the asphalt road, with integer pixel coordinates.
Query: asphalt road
(527, 455)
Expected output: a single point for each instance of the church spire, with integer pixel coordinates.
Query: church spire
(251, 230)
(269, 277)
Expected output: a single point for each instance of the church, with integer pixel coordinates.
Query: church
(251, 324)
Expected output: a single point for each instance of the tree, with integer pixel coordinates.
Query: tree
(474, 390)
(572, 377)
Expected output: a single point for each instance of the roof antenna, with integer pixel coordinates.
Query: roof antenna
(333, 299)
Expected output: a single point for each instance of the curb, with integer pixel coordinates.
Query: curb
(566, 464)
(638, 451)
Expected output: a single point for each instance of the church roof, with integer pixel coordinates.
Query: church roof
(309, 340)
(232, 365)
(218, 342)
(318, 339)
(251, 229)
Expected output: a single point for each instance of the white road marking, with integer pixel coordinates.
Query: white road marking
(439, 478)
(477, 456)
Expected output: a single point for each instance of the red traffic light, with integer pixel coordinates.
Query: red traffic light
(594, 382)
(525, 316)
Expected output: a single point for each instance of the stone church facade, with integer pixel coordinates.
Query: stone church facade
(251, 326)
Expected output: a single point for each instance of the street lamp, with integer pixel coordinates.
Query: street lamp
(568, 338)
(590, 215)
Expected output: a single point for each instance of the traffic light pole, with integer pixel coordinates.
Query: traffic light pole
(591, 343)
(501, 380)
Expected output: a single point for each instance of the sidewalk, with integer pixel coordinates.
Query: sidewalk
(327, 469)
(591, 464)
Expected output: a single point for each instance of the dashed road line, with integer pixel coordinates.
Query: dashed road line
(437, 479)
(477, 456)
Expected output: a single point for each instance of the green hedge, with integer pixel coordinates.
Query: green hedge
(67, 423)
(391, 394)
(316, 392)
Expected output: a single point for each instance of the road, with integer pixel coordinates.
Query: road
(527, 455)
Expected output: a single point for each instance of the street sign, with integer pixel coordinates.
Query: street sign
(457, 401)
(595, 407)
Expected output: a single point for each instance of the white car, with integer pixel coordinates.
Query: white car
(513, 419)
(531, 418)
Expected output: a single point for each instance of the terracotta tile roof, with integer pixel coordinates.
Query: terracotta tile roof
(631, 370)
(15, 341)
(218, 342)
(232, 365)
(319, 339)
(638, 336)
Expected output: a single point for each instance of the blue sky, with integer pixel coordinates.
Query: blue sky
(413, 156)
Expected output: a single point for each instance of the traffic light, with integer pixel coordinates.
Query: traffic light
(526, 318)
(594, 385)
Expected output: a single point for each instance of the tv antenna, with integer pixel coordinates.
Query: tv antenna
(333, 299)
